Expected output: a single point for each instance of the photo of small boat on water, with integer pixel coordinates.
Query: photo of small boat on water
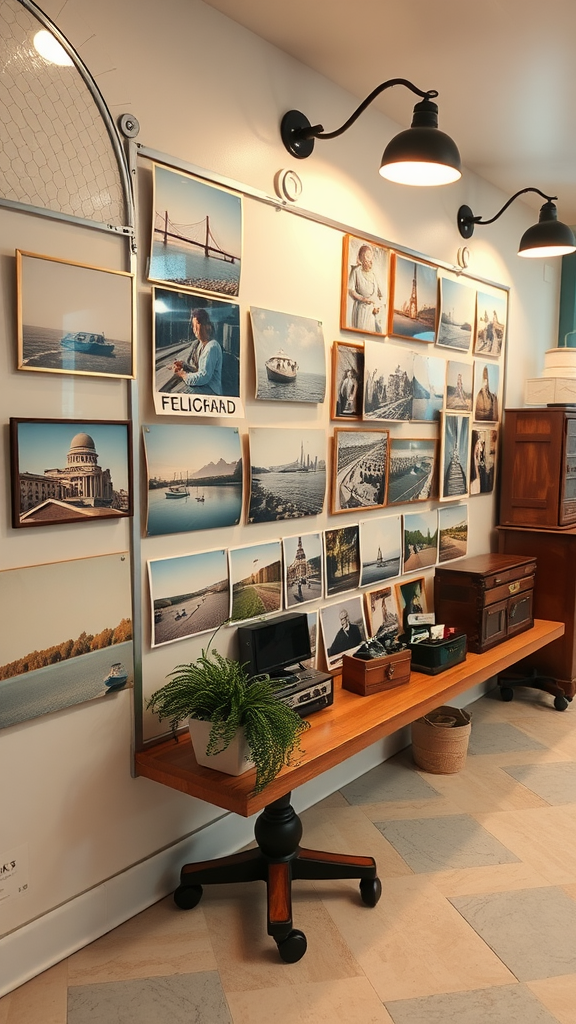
(457, 314)
(414, 299)
(117, 676)
(74, 318)
(380, 549)
(290, 357)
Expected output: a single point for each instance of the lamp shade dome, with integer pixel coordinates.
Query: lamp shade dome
(549, 237)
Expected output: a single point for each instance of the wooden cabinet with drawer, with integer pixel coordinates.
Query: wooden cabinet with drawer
(488, 597)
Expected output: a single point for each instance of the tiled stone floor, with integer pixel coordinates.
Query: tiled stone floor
(476, 925)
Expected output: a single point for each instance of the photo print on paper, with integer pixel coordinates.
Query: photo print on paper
(453, 532)
(388, 381)
(255, 580)
(411, 599)
(382, 612)
(483, 450)
(343, 629)
(380, 549)
(414, 299)
(196, 342)
(455, 459)
(486, 386)
(189, 594)
(420, 540)
(491, 319)
(359, 469)
(196, 234)
(342, 558)
(288, 473)
(303, 569)
(429, 373)
(412, 475)
(364, 286)
(194, 477)
(459, 386)
(457, 314)
(347, 380)
(290, 356)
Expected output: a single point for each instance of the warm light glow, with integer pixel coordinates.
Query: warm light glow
(49, 48)
(412, 172)
(544, 251)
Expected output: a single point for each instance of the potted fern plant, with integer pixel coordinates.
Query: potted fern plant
(231, 716)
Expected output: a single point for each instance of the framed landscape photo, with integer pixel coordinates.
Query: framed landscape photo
(360, 459)
(491, 320)
(196, 233)
(347, 380)
(483, 449)
(413, 308)
(364, 300)
(413, 470)
(455, 456)
(290, 356)
(74, 318)
(70, 471)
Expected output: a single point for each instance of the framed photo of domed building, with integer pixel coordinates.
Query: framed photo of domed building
(70, 471)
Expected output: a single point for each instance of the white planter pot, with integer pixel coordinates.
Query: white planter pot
(235, 760)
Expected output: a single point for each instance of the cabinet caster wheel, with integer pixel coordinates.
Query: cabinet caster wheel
(506, 693)
(370, 891)
(560, 703)
(293, 947)
(569, 699)
(187, 896)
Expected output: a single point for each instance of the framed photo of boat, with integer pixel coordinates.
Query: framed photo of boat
(360, 461)
(347, 380)
(364, 299)
(70, 471)
(74, 317)
(413, 309)
(289, 355)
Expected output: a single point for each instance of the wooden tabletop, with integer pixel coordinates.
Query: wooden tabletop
(351, 724)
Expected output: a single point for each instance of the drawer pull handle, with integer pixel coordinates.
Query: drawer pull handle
(390, 671)
(514, 587)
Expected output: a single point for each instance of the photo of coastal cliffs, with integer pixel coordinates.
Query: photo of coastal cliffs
(288, 473)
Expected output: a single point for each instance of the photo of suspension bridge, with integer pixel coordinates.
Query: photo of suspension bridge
(196, 234)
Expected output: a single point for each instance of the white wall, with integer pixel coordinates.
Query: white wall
(212, 94)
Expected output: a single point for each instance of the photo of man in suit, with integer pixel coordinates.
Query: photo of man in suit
(348, 635)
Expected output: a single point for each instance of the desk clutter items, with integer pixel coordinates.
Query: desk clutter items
(440, 740)
(488, 597)
(436, 648)
(379, 664)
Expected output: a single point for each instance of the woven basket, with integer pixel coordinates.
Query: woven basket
(440, 740)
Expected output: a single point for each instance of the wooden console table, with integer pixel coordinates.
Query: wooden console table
(349, 726)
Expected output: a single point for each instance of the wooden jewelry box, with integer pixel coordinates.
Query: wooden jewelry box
(366, 677)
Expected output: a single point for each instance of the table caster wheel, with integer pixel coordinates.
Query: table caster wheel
(506, 693)
(560, 703)
(293, 947)
(188, 896)
(370, 891)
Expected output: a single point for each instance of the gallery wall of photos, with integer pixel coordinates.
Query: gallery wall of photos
(298, 452)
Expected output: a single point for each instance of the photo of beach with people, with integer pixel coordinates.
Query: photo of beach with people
(189, 594)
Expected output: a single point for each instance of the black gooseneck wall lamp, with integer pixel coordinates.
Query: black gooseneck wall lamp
(549, 237)
(421, 155)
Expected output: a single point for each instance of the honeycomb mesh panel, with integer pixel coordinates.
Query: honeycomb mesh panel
(56, 152)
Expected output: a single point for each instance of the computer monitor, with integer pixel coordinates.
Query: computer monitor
(268, 647)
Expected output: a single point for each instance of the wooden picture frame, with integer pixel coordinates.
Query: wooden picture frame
(347, 380)
(94, 484)
(359, 469)
(364, 294)
(74, 318)
(413, 306)
(412, 470)
(411, 598)
(382, 609)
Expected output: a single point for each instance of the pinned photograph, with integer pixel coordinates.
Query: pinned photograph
(343, 629)
(486, 386)
(457, 314)
(189, 594)
(311, 662)
(428, 387)
(388, 382)
(347, 380)
(459, 386)
(196, 234)
(411, 600)
(364, 286)
(453, 532)
(290, 356)
(194, 477)
(359, 469)
(412, 474)
(455, 457)
(66, 637)
(380, 549)
(74, 318)
(256, 580)
(303, 569)
(382, 612)
(491, 318)
(70, 471)
(483, 460)
(342, 557)
(420, 540)
(414, 299)
(288, 473)
(196, 343)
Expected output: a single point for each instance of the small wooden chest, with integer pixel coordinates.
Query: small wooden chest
(366, 677)
(488, 597)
